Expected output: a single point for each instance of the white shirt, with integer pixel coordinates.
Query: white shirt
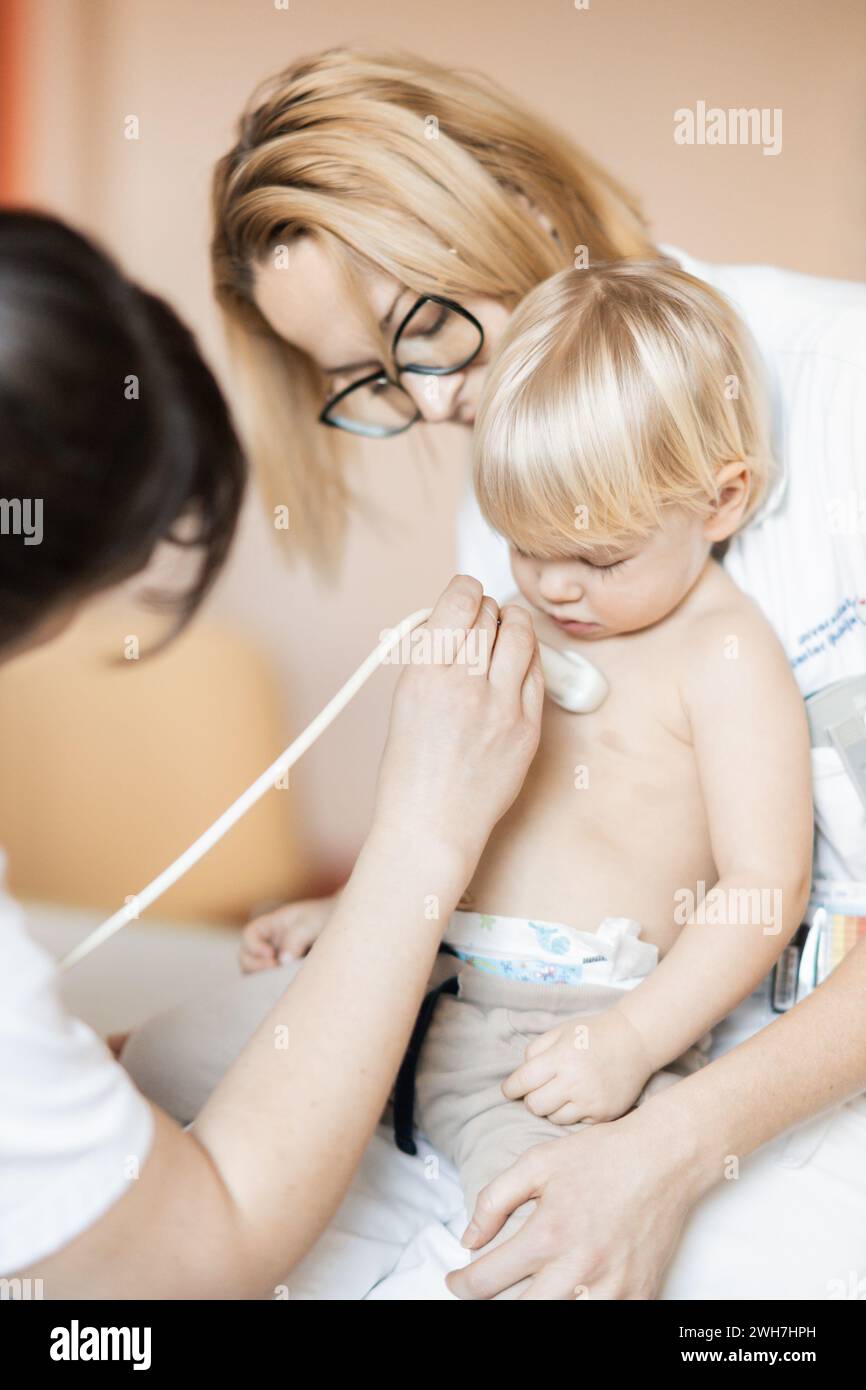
(73, 1129)
(803, 559)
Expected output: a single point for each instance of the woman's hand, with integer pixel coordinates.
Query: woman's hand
(611, 1204)
(465, 725)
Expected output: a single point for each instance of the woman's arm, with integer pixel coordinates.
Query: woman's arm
(228, 1208)
(811, 1058)
(613, 1199)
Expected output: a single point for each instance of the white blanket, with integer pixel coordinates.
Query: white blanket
(396, 1235)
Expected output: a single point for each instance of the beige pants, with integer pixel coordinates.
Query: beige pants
(475, 1040)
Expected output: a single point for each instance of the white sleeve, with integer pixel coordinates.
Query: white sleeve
(73, 1129)
(482, 552)
(805, 562)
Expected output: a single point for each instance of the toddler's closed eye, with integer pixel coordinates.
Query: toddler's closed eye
(606, 570)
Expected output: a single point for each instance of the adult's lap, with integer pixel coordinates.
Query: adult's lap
(791, 1225)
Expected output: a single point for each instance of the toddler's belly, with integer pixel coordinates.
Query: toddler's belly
(610, 822)
(543, 864)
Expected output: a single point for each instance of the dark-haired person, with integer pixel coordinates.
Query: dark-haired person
(101, 1194)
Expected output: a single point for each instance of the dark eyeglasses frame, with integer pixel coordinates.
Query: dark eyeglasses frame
(382, 431)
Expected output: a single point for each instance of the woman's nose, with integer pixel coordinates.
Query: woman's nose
(435, 396)
(559, 583)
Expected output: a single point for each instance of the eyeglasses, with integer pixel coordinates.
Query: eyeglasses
(436, 338)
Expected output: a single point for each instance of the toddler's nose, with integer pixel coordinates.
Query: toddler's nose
(559, 583)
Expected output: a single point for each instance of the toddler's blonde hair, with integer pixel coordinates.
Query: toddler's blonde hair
(617, 391)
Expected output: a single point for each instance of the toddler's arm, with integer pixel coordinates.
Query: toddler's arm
(751, 742)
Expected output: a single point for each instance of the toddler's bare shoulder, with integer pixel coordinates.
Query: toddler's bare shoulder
(730, 639)
(722, 609)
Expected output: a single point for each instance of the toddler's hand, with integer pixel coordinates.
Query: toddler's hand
(282, 935)
(592, 1068)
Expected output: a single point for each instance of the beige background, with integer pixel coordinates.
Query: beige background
(610, 76)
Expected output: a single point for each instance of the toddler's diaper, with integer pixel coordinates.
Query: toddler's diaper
(534, 952)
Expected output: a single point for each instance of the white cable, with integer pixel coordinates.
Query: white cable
(134, 906)
(571, 680)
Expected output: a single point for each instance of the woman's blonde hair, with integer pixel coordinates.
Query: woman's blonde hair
(389, 160)
(617, 391)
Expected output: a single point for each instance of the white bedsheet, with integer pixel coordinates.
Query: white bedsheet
(396, 1234)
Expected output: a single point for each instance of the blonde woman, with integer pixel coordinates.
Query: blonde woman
(376, 223)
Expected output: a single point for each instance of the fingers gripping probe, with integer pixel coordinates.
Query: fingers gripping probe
(571, 680)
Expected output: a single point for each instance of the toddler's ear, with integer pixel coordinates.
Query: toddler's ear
(726, 516)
